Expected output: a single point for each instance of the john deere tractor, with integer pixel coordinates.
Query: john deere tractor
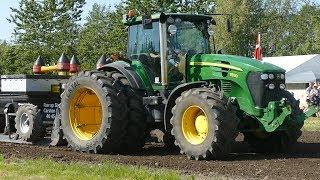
(170, 80)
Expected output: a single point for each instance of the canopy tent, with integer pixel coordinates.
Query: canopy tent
(303, 77)
(299, 69)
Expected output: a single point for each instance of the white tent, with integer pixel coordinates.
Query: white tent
(299, 69)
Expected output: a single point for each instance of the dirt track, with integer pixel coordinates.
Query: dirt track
(302, 163)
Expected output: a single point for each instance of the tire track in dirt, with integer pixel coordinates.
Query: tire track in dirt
(302, 163)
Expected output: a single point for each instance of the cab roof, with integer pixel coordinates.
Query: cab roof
(158, 16)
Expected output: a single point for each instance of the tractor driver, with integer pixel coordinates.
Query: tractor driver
(176, 59)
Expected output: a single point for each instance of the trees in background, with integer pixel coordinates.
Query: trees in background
(153, 6)
(103, 33)
(50, 27)
(279, 25)
(46, 28)
(246, 18)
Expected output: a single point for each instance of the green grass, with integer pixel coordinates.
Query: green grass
(312, 124)
(47, 169)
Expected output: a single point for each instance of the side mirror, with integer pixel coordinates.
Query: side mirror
(229, 25)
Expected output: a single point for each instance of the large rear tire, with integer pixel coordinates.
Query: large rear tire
(280, 141)
(29, 124)
(204, 124)
(136, 128)
(98, 114)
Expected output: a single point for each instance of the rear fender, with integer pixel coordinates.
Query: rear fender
(125, 69)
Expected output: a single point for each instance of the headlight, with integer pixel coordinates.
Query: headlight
(271, 76)
(178, 20)
(271, 86)
(264, 76)
(172, 29)
(282, 76)
(170, 20)
(282, 86)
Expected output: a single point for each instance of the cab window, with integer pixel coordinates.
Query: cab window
(144, 40)
(144, 45)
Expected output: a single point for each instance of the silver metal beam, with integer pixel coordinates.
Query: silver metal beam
(163, 53)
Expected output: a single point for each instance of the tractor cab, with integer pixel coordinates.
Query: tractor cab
(163, 43)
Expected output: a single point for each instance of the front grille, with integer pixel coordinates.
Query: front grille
(260, 92)
(226, 86)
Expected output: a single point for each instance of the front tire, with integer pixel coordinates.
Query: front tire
(280, 141)
(204, 125)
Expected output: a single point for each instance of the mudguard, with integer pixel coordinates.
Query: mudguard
(175, 93)
(125, 69)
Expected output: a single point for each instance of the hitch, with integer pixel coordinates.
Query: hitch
(275, 114)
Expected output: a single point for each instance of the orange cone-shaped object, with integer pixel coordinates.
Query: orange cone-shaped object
(63, 63)
(74, 65)
(37, 65)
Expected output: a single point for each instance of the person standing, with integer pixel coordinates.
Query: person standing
(314, 92)
(310, 85)
(314, 96)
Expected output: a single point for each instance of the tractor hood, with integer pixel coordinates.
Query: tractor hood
(235, 62)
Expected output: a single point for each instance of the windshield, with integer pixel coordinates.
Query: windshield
(185, 39)
(189, 37)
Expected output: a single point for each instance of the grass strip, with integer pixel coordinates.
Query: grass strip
(312, 124)
(48, 169)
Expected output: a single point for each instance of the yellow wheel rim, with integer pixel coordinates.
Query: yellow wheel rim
(85, 114)
(195, 125)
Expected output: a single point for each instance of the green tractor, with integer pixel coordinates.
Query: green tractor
(171, 81)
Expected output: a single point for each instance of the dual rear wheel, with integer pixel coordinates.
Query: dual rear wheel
(100, 112)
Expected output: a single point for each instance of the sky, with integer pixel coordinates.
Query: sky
(6, 28)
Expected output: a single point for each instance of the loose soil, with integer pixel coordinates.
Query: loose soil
(302, 163)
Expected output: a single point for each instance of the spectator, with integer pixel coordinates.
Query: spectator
(309, 87)
(314, 92)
